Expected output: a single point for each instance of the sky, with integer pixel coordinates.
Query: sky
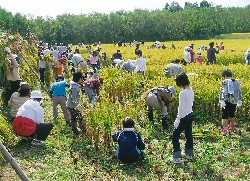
(52, 8)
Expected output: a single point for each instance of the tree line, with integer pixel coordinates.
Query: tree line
(171, 23)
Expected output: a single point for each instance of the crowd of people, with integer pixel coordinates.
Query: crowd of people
(28, 115)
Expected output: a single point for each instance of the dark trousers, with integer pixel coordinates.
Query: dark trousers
(76, 118)
(42, 74)
(186, 126)
(43, 130)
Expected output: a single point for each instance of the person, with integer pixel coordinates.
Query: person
(130, 143)
(140, 63)
(229, 98)
(128, 66)
(187, 55)
(247, 57)
(19, 98)
(73, 103)
(58, 95)
(200, 58)
(94, 59)
(13, 72)
(184, 120)
(192, 54)
(29, 121)
(211, 53)
(78, 59)
(173, 45)
(42, 68)
(221, 46)
(163, 46)
(159, 98)
(157, 44)
(116, 58)
(92, 87)
(105, 59)
(173, 69)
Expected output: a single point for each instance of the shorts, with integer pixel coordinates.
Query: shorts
(229, 111)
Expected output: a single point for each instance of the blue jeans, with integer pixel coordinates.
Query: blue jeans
(186, 126)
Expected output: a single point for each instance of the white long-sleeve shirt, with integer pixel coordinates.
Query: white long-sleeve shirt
(32, 109)
(186, 99)
(140, 64)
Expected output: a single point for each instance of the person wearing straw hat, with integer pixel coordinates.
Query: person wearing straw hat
(29, 121)
(159, 98)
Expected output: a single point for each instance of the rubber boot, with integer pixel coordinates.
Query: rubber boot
(150, 115)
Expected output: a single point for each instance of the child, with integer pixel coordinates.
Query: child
(230, 97)
(130, 142)
(200, 58)
(184, 120)
(73, 103)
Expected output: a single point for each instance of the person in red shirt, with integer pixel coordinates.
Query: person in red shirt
(200, 58)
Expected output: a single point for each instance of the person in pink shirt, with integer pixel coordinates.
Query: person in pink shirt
(94, 61)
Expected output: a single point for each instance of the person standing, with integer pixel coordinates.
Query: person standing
(184, 120)
(13, 72)
(58, 95)
(140, 63)
(42, 68)
(247, 57)
(229, 98)
(73, 104)
(211, 58)
(94, 61)
(29, 120)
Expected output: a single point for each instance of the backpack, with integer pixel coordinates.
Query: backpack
(23, 126)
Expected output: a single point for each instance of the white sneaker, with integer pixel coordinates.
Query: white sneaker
(176, 160)
(188, 157)
(37, 142)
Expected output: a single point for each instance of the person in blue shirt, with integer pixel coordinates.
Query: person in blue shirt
(58, 95)
(130, 143)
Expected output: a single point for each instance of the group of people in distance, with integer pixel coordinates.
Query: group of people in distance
(28, 114)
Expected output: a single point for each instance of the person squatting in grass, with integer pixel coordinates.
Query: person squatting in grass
(130, 143)
(229, 98)
(73, 103)
(159, 98)
(19, 98)
(58, 95)
(184, 120)
(29, 121)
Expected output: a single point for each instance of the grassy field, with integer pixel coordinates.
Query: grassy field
(216, 157)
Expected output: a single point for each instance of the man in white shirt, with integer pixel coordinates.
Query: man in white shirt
(140, 63)
(32, 110)
(78, 59)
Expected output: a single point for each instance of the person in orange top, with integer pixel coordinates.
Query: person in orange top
(200, 58)
(59, 68)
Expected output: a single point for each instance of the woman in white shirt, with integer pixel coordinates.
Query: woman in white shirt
(183, 120)
(140, 63)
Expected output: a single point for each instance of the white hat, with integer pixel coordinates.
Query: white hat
(7, 49)
(172, 90)
(36, 95)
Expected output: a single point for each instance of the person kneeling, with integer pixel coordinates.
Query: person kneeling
(29, 121)
(130, 143)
